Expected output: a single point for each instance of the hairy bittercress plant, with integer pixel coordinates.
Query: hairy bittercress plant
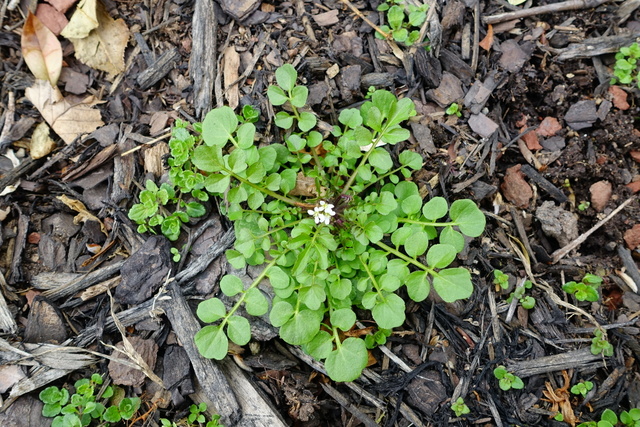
(350, 239)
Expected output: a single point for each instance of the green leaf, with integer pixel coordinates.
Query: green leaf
(320, 346)
(246, 134)
(307, 121)
(299, 96)
(312, 296)
(347, 361)
(350, 117)
(389, 311)
(280, 314)
(386, 203)
(468, 217)
(369, 300)
(389, 282)
(276, 95)
(195, 209)
(435, 208)
(112, 414)
(278, 278)
(208, 159)
(340, 289)
(256, 173)
(343, 318)
(449, 236)
(440, 256)
(411, 204)
(417, 286)
(218, 126)
(410, 159)
(453, 284)
(286, 77)
(380, 159)
(373, 232)
(211, 310)
(237, 161)
(212, 342)
(239, 330)
(283, 120)
(255, 302)
(301, 327)
(416, 244)
(231, 285)
(51, 409)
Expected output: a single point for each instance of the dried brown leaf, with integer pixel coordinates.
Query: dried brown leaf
(41, 50)
(83, 20)
(83, 214)
(104, 47)
(66, 119)
(487, 41)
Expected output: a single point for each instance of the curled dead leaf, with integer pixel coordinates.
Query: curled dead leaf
(41, 50)
(83, 213)
(83, 20)
(41, 143)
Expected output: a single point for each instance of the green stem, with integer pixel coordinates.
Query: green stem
(433, 224)
(381, 177)
(275, 230)
(370, 274)
(268, 192)
(362, 162)
(400, 255)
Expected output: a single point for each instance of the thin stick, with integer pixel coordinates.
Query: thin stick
(560, 253)
(550, 8)
(365, 19)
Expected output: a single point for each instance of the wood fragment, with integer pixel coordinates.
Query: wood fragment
(19, 246)
(346, 404)
(595, 46)
(159, 69)
(576, 359)
(83, 282)
(550, 8)
(562, 252)
(7, 322)
(631, 268)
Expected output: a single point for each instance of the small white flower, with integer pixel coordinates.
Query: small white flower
(367, 147)
(322, 213)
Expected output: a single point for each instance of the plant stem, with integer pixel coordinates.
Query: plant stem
(270, 193)
(362, 162)
(433, 224)
(404, 257)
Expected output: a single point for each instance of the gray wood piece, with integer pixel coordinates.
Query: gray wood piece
(209, 374)
(45, 323)
(595, 46)
(546, 185)
(159, 69)
(202, 64)
(25, 412)
(124, 169)
(84, 282)
(576, 359)
(20, 242)
(345, 403)
(7, 321)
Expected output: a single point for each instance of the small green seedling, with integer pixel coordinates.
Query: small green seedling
(500, 279)
(583, 206)
(559, 417)
(80, 408)
(194, 419)
(453, 109)
(526, 301)
(625, 70)
(582, 388)
(631, 418)
(404, 21)
(507, 380)
(378, 338)
(607, 419)
(176, 254)
(460, 408)
(585, 290)
(600, 345)
(370, 91)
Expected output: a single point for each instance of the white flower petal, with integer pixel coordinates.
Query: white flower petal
(311, 212)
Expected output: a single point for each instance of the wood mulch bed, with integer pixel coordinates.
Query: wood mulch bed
(546, 147)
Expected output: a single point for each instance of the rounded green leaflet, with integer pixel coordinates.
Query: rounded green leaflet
(449, 236)
(256, 173)
(380, 159)
(245, 135)
(307, 121)
(386, 203)
(453, 284)
(417, 286)
(218, 126)
(237, 161)
(435, 208)
(369, 300)
(320, 346)
(350, 117)
(276, 95)
(239, 330)
(312, 296)
(255, 302)
(278, 278)
(400, 236)
(286, 76)
(468, 217)
(301, 327)
(299, 96)
(440, 256)
(280, 314)
(340, 289)
(343, 318)
(211, 310)
(212, 342)
(411, 159)
(416, 244)
(348, 360)
(208, 159)
(389, 282)
(283, 120)
(389, 311)
(411, 204)
(231, 285)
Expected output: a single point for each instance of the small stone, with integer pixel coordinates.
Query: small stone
(635, 155)
(326, 19)
(581, 115)
(557, 223)
(600, 194)
(619, 97)
(634, 186)
(515, 188)
(549, 127)
(632, 237)
(555, 143)
(450, 90)
(482, 125)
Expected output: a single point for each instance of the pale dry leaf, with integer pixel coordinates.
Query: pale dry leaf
(68, 120)
(41, 142)
(103, 48)
(83, 20)
(41, 50)
(83, 214)
(230, 73)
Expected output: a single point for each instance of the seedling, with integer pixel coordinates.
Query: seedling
(460, 408)
(526, 301)
(500, 279)
(600, 345)
(586, 290)
(607, 419)
(582, 388)
(370, 91)
(453, 109)
(631, 418)
(404, 21)
(583, 206)
(195, 418)
(625, 70)
(80, 408)
(333, 220)
(506, 379)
